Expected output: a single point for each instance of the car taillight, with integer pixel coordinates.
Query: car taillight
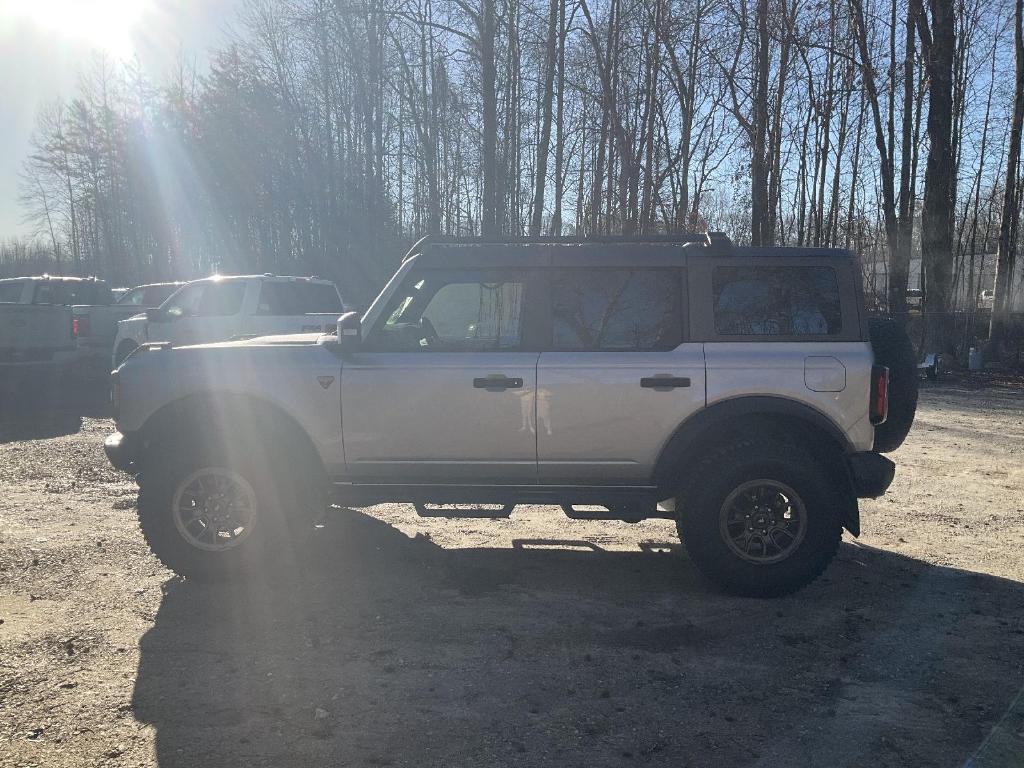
(879, 394)
(79, 326)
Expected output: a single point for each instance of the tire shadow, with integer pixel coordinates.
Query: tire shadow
(373, 648)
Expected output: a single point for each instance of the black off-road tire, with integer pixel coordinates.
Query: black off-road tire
(270, 545)
(725, 470)
(893, 348)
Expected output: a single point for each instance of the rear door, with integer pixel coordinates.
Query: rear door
(617, 375)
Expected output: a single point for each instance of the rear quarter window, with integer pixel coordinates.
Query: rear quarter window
(776, 301)
(72, 292)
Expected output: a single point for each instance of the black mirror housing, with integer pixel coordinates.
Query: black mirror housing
(154, 315)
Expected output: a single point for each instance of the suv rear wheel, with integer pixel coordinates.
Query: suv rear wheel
(761, 518)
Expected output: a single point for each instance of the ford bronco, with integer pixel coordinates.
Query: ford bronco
(742, 392)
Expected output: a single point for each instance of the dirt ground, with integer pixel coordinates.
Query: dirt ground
(397, 641)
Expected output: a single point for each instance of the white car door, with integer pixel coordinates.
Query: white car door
(205, 311)
(442, 389)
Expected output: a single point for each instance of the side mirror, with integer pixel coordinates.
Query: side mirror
(154, 315)
(350, 332)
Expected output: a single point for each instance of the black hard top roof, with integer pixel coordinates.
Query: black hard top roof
(649, 250)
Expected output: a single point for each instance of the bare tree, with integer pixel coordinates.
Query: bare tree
(1006, 249)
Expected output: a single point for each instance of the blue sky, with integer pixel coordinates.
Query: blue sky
(45, 43)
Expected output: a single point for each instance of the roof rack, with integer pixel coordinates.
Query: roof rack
(719, 241)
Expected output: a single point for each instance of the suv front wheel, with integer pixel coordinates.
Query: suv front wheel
(761, 519)
(209, 516)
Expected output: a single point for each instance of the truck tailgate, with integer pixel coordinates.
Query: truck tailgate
(34, 331)
(100, 322)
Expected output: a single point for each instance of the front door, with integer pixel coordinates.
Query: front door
(616, 377)
(205, 311)
(442, 390)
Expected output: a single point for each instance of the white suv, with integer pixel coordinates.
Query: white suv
(222, 307)
(735, 390)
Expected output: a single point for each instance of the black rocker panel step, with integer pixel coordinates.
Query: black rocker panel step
(492, 511)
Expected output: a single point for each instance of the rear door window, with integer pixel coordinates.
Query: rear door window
(616, 310)
(298, 298)
(72, 292)
(776, 301)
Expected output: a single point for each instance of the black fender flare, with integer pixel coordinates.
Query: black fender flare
(701, 428)
(254, 423)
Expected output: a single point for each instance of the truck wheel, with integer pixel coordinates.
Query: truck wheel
(761, 518)
(210, 519)
(894, 349)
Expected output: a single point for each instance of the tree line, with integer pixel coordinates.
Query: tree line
(328, 134)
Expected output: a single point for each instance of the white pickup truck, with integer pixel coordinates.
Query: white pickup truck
(224, 307)
(94, 313)
(36, 330)
(96, 322)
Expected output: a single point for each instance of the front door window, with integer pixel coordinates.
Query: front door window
(454, 311)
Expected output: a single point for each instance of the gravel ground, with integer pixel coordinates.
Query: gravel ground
(396, 641)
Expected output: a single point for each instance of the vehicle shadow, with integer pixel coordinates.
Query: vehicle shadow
(374, 648)
(44, 407)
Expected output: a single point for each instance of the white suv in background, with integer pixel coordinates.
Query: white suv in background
(221, 307)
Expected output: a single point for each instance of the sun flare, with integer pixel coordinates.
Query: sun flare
(106, 24)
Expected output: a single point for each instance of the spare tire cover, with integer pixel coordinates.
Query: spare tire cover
(894, 349)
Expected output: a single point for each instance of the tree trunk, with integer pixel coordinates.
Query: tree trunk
(547, 99)
(556, 214)
(899, 266)
(488, 79)
(937, 211)
(759, 232)
(887, 171)
(1005, 254)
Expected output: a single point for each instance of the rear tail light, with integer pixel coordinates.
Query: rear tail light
(879, 394)
(80, 326)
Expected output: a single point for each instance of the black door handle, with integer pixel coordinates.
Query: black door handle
(496, 383)
(664, 382)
